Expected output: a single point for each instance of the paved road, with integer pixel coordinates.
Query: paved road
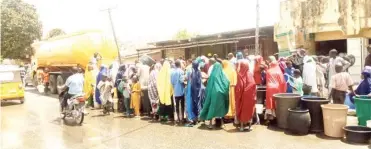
(35, 125)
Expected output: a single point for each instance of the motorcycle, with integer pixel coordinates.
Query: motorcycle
(74, 109)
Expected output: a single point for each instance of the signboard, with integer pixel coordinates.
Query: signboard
(286, 43)
(291, 40)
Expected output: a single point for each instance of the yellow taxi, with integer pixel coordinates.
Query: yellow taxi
(11, 85)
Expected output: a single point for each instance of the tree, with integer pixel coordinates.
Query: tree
(20, 26)
(55, 32)
(184, 34)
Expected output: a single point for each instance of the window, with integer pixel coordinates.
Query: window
(6, 76)
(10, 76)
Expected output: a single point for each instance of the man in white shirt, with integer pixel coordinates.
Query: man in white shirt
(335, 59)
(75, 85)
(143, 74)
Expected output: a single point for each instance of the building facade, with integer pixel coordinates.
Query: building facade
(220, 44)
(322, 25)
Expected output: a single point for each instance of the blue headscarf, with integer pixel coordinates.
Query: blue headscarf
(102, 72)
(364, 87)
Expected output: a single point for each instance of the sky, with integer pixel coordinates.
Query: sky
(154, 20)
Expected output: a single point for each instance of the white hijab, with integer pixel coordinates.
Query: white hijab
(309, 75)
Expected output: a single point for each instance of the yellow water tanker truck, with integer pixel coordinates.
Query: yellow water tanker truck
(61, 53)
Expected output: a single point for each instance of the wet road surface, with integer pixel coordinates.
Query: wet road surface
(36, 125)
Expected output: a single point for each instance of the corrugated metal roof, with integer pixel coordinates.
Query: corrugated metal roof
(235, 33)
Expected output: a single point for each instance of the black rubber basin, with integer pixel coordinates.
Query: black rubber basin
(357, 134)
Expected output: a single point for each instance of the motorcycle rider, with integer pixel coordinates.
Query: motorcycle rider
(75, 85)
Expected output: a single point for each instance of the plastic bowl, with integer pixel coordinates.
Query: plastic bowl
(357, 134)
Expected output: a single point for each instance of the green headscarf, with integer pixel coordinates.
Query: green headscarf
(217, 94)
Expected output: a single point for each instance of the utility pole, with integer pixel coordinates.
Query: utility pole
(257, 49)
(114, 33)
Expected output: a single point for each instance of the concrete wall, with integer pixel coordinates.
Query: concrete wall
(133, 58)
(174, 53)
(327, 19)
(349, 16)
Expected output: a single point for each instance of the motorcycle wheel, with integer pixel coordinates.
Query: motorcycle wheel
(81, 118)
(63, 115)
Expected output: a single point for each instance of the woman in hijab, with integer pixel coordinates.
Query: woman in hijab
(89, 83)
(320, 74)
(217, 95)
(257, 70)
(309, 74)
(102, 72)
(364, 88)
(165, 92)
(152, 89)
(119, 76)
(143, 75)
(204, 64)
(282, 64)
(193, 91)
(245, 95)
(275, 84)
(239, 56)
(114, 70)
(272, 59)
(232, 77)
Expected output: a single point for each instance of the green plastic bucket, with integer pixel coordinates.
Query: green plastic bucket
(363, 109)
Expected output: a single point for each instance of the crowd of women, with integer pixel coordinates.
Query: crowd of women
(216, 90)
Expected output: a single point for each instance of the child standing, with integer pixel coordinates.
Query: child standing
(135, 96)
(340, 83)
(296, 82)
(289, 70)
(105, 87)
(124, 88)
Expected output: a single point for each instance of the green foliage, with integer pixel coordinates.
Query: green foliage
(55, 32)
(20, 26)
(184, 34)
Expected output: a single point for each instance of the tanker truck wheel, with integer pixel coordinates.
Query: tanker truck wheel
(60, 82)
(53, 84)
